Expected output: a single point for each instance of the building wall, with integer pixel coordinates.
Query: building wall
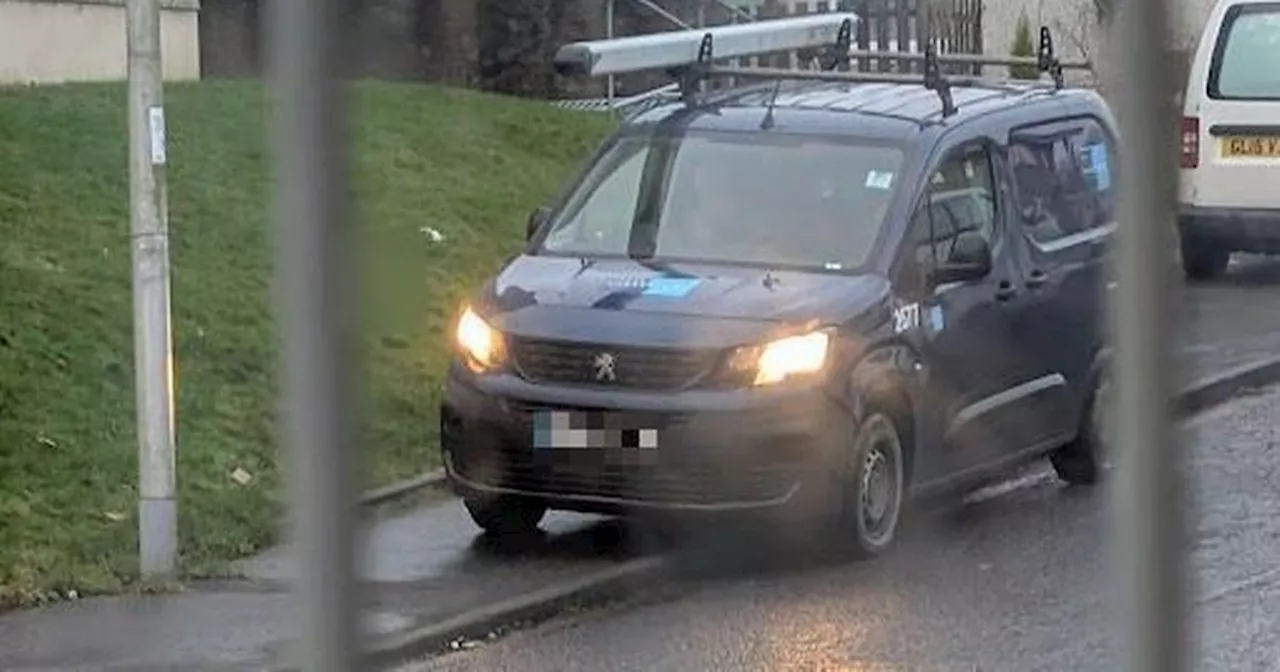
(1075, 32)
(230, 39)
(48, 42)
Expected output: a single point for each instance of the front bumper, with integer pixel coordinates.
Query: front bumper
(1232, 229)
(716, 451)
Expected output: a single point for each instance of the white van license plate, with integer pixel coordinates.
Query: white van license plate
(1260, 147)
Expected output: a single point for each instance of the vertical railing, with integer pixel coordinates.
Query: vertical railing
(609, 20)
(314, 271)
(1149, 507)
(314, 261)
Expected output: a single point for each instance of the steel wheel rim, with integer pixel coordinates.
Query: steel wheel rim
(881, 483)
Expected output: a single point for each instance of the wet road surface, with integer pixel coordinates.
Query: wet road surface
(1230, 321)
(1016, 582)
(427, 564)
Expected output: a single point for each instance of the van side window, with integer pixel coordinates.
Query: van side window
(1247, 55)
(598, 219)
(960, 197)
(1064, 179)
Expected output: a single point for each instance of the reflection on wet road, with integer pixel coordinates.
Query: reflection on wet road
(1015, 582)
(1232, 320)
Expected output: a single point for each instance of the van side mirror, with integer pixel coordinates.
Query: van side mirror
(537, 218)
(970, 259)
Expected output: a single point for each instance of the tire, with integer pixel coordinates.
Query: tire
(1203, 262)
(874, 487)
(1087, 458)
(505, 515)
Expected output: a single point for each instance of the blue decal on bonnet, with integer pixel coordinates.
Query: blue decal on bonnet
(671, 287)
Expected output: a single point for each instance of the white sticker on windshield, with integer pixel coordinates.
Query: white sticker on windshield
(879, 179)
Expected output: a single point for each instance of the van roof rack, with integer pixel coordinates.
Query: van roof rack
(690, 55)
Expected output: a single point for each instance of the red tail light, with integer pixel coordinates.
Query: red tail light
(1190, 142)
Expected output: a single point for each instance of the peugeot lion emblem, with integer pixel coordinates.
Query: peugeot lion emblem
(604, 363)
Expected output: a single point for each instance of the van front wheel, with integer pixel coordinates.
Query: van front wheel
(874, 490)
(504, 515)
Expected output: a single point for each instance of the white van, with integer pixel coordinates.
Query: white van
(1229, 189)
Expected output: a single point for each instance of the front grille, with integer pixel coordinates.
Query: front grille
(602, 474)
(679, 473)
(523, 410)
(611, 366)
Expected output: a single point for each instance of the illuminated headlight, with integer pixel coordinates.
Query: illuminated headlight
(480, 344)
(777, 361)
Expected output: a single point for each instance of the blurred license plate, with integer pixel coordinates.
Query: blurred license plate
(1262, 146)
(601, 431)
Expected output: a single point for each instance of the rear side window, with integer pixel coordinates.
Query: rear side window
(1246, 59)
(1064, 177)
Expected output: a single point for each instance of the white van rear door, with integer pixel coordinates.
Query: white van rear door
(1240, 111)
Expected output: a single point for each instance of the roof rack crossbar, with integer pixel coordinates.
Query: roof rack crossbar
(967, 59)
(837, 55)
(951, 81)
(941, 85)
(934, 80)
(691, 76)
(1046, 61)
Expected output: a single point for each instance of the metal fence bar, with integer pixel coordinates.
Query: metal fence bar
(1149, 507)
(314, 259)
(671, 18)
(970, 59)
(736, 12)
(314, 276)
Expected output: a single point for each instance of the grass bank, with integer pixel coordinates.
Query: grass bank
(444, 181)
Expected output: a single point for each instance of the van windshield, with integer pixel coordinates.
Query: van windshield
(748, 198)
(1247, 59)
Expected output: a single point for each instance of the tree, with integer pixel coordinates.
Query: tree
(1079, 32)
(444, 36)
(513, 38)
(1023, 47)
(1103, 10)
(518, 38)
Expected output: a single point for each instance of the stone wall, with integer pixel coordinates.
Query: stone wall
(428, 40)
(47, 42)
(394, 39)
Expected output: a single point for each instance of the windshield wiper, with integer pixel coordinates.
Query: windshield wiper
(767, 122)
(650, 263)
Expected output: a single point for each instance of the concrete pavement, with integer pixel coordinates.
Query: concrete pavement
(422, 566)
(428, 565)
(1012, 583)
